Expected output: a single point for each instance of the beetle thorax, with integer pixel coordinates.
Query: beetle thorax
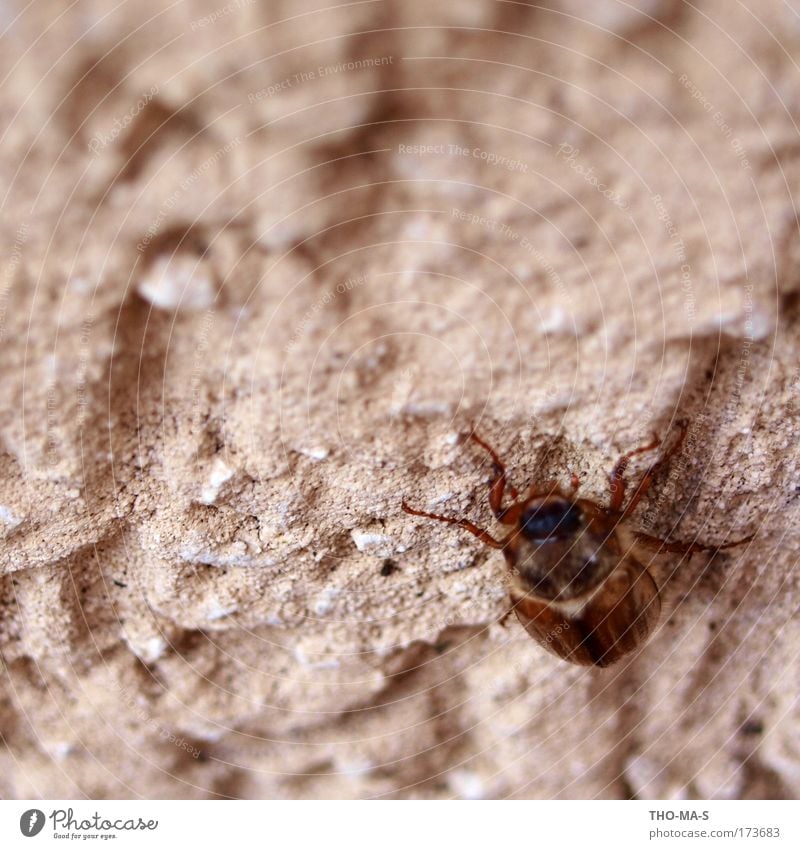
(563, 567)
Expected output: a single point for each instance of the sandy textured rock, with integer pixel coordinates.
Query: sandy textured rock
(264, 265)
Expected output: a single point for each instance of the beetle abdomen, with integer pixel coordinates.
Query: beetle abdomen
(598, 628)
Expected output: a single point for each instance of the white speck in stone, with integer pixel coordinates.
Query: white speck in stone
(354, 768)
(217, 611)
(554, 319)
(79, 286)
(154, 649)
(232, 556)
(276, 236)
(316, 453)
(451, 438)
(324, 604)
(178, 282)
(8, 517)
(378, 544)
(150, 650)
(610, 16)
(219, 474)
(761, 324)
(466, 784)
(210, 735)
(424, 409)
(73, 493)
(61, 750)
(303, 659)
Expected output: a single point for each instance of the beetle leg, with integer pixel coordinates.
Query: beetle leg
(504, 618)
(617, 476)
(482, 535)
(645, 482)
(656, 544)
(498, 482)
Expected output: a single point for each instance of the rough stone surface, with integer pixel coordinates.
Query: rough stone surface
(242, 312)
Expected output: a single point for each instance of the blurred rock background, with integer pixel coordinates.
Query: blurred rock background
(264, 264)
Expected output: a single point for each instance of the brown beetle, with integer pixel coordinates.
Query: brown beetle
(578, 583)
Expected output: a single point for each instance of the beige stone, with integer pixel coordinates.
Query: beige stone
(239, 320)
